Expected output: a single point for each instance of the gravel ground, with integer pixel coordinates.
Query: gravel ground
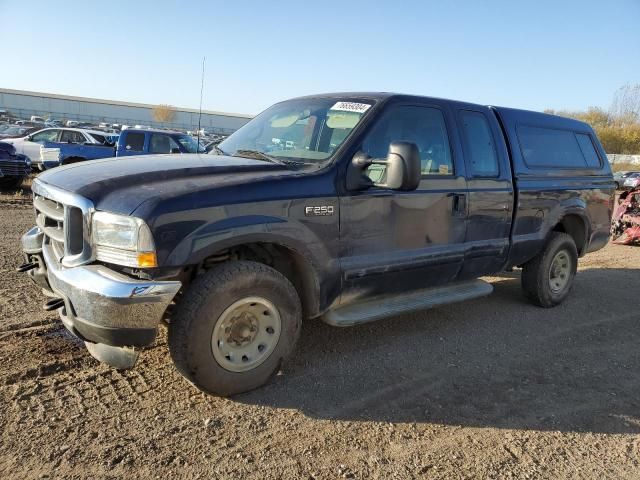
(491, 388)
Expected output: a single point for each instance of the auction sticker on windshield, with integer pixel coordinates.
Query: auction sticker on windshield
(351, 107)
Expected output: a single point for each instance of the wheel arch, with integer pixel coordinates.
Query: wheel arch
(286, 259)
(576, 225)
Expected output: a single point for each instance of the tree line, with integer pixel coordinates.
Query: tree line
(618, 128)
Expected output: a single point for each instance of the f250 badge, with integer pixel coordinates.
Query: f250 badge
(318, 210)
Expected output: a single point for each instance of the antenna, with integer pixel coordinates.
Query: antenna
(200, 112)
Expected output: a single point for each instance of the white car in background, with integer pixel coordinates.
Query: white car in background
(30, 145)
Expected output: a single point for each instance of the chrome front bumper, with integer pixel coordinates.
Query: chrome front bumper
(100, 305)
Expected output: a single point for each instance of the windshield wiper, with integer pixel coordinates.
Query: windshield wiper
(218, 150)
(256, 154)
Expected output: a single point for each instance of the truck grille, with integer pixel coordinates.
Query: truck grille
(63, 218)
(13, 169)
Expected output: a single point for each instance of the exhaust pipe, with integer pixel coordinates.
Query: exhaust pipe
(54, 304)
(25, 267)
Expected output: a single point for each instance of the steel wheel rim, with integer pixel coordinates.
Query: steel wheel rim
(560, 271)
(246, 334)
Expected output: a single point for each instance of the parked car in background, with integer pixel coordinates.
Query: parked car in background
(620, 177)
(14, 131)
(13, 167)
(72, 123)
(29, 145)
(37, 119)
(52, 122)
(631, 181)
(129, 143)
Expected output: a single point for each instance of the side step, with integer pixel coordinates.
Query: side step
(390, 305)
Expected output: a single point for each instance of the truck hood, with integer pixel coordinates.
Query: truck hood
(120, 185)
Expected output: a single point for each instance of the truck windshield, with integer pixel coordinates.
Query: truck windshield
(189, 143)
(304, 130)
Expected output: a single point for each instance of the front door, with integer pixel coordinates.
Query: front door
(394, 241)
(31, 148)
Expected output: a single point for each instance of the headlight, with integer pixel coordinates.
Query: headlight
(123, 240)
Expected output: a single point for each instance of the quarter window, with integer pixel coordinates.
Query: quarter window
(479, 145)
(424, 126)
(588, 150)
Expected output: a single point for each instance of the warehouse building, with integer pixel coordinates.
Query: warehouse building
(23, 104)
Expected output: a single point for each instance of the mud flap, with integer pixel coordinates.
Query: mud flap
(120, 358)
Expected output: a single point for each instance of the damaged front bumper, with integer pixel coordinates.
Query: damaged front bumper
(111, 312)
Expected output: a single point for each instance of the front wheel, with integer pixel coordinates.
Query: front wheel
(234, 327)
(547, 278)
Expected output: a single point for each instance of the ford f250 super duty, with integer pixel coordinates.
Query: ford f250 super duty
(343, 207)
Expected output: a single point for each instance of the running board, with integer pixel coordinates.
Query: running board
(390, 305)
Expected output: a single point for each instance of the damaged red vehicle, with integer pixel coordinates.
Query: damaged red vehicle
(625, 226)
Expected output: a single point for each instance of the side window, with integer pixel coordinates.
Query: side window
(424, 126)
(550, 147)
(69, 136)
(45, 136)
(479, 144)
(588, 150)
(135, 142)
(162, 144)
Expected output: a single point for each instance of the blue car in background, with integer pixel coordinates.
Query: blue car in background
(130, 142)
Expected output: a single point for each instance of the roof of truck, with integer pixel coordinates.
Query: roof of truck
(514, 113)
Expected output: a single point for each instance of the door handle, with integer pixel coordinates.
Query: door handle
(459, 204)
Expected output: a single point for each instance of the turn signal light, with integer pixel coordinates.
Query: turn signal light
(147, 260)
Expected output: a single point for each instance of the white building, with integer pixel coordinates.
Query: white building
(24, 104)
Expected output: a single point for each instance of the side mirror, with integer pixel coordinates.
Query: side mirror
(175, 150)
(400, 170)
(27, 138)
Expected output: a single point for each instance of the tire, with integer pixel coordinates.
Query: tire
(539, 283)
(210, 303)
(9, 183)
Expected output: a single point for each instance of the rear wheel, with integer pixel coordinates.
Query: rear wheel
(547, 279)
(234, 327)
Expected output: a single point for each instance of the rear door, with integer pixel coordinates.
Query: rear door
(394, 241)
(490, 192)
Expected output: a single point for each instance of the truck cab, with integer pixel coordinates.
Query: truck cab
(343, 208)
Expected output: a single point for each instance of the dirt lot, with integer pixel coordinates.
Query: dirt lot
(493, 388)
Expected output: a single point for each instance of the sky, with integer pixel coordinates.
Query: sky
(536, 54)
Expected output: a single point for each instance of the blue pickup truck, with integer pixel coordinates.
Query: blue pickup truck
(129, 142)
